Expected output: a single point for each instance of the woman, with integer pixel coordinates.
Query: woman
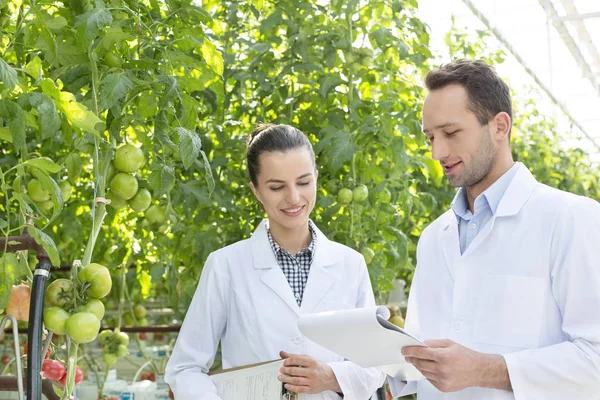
(252, 292)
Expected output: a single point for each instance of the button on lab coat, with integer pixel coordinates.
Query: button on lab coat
(245, 301)
(528, 287)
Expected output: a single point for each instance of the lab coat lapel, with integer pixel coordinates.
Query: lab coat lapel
(273, 277)
(515, 197)
(320, 277)
(450, 242)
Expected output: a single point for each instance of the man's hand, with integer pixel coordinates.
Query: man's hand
(304, 374)
(451, 367)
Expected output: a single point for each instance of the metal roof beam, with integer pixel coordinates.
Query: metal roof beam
(521, 61)
(578, 17)
(570, 43)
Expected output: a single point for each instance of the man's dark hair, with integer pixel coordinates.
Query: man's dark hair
(488, 93)
(273, 137)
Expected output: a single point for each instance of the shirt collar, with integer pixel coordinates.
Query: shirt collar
(490, 197)
(311, 247)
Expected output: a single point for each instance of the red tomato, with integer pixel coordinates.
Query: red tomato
(18, 302)
(78, 377)
(143, 336)
(53, 370)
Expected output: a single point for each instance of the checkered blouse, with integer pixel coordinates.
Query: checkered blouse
(295, 267)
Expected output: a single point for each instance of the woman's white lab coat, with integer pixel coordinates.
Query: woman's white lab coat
(245, 301)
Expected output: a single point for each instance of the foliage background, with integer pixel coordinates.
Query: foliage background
(187, 83)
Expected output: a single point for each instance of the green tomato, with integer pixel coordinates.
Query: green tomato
(110, 359)
(128, 158)
(58, 293)
(83, 327)
(141, 201)
(37, 192)
(55, 319)
(368, 254)
(123, 338)
(99, 279)
(45, 206)
(140, 311)
(112, 171)
(116, 202)
(94, 306)
(106, 337)
(143, 322)
(344, 196)
(65, 190)
(385, 196)
(112, 60)
(122, 351)
(360, 193)
(124, 185)
(331, 186)
(155, 214)
(128, 319)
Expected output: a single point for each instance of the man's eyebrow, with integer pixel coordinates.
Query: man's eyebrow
(441, 126)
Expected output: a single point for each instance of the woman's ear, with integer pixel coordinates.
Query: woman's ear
(255, 191)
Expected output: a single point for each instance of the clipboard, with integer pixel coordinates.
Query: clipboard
(252, 382)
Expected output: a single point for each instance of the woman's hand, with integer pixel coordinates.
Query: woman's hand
(304, 374)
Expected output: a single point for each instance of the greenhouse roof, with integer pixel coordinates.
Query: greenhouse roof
(555, 43)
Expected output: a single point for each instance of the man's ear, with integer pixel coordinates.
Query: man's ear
(503, 123)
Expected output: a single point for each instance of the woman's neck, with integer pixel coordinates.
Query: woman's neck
(292, 240)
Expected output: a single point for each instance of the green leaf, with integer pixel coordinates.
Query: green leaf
(16, 122)
(340, 149)
(213, 57)
(47, 243)
(34, 67)
(8, 276)
(56, 23)
(329, 82)
(8, 75)
(91, 22)
(45, 164)
(78, 114)
(5, 134)
(49, 119)
(113, 89)
(157, 272)
(74, 165)
(190, 146)
(162, 178)
(271, 22)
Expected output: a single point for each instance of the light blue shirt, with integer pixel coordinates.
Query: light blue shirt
(486, 204)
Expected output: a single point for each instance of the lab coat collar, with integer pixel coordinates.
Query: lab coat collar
(518, 192)
(320, 280)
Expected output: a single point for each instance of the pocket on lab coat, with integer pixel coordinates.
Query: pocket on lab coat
(509, 311)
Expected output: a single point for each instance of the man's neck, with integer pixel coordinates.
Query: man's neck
(499, 169)
(292, 240)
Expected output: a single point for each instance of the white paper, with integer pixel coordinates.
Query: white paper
(255, 383)
(365, 337)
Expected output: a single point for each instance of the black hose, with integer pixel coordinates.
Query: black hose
(34, 334)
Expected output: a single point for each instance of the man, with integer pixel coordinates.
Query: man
(506, 292)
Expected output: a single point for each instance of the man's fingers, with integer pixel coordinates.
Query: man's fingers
(298, 361)
(285, 355)
(293, 380)
(295, 371)
(424, 353)
(438, 343)
(424, 365)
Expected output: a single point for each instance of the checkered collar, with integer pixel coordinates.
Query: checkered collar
(311, 247)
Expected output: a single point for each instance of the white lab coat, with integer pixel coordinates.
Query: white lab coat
(527, 287)
(244, 300)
